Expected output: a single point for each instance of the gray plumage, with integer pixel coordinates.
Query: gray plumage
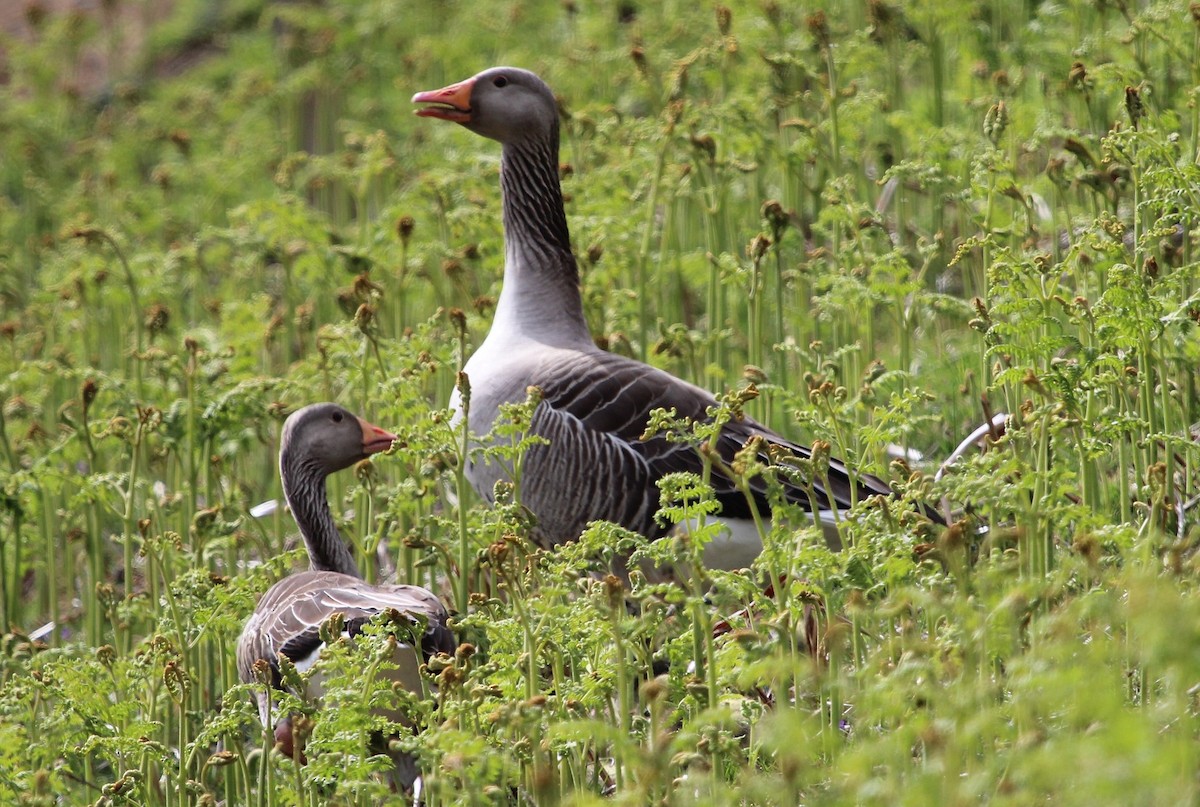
(595, 405)
(319, 440)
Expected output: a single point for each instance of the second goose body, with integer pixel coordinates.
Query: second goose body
(319, 440)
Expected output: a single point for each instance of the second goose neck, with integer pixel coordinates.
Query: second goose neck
(304, 489)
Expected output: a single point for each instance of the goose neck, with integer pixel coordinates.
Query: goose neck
(304, 489)
(541, 295)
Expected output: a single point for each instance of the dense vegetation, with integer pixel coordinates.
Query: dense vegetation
(893, 222)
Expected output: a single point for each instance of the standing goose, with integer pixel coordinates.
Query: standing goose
(317, 441)
(594, 405)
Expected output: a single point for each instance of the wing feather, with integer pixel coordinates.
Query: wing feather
(594, 410)
(289, 616)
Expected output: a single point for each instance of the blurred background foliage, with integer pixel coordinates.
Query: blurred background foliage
(895, 219)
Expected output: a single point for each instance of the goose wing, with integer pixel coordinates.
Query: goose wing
(289, 616)
(594, 410)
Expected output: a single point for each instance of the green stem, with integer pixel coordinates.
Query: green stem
(95, 550)
(835, 140)
(623, 683)
(52, 571)
(398, 308)
(138, 325)
(7, 605)
(129, 518)
(461, 486)
(189, 458)
(8, 451)
(644, 248)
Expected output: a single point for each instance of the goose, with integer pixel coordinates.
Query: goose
(318, 440)
(594, 405)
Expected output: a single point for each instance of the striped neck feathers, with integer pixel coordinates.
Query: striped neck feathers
(304, 489)
(541, 278)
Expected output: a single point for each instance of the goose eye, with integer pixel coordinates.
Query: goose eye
(500, 81)
(337, 417)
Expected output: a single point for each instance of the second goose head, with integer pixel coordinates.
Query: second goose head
(325, 438)
(317, 441)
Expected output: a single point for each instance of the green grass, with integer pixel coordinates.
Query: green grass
(893, 221)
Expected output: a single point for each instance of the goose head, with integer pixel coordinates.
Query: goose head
(326, 438)
(507, 104)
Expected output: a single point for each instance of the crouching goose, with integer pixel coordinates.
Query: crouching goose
(594, 404)
(317, 441)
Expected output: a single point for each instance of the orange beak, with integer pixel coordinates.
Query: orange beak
(454, 102)
(374, 438)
